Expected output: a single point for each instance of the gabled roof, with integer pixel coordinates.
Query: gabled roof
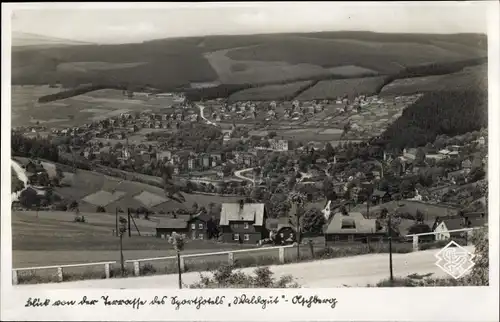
(249, 212)
(363, 225)
(453, 224)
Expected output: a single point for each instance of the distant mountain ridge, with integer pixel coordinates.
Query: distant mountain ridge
(23, 39)
(235, 61)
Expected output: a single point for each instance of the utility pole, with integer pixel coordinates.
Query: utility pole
(128, 217)
(116, 221)
(389, 229)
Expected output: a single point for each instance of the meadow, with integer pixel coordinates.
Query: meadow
(469, 77)
(77, 110)
(270, 92)
(332, 89)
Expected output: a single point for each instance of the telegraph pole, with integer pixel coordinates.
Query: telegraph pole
(390, 249)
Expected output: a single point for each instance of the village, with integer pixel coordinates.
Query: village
(348, 185)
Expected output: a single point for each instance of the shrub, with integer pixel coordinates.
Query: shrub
(147, 269)
(226, 277)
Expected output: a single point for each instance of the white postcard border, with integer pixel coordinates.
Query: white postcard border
(354, 304)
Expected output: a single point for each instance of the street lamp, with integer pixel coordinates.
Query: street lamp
(178, 241)
(122, 229)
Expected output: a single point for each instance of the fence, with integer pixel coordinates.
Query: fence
(415, 237)
(230, 257)
(59, 268)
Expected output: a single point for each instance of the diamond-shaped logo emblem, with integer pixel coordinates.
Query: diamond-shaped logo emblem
(454, 260)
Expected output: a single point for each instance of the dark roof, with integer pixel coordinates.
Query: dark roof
(453, 224)
(173, 223)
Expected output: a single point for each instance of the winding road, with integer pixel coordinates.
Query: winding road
(238, 174)
(348, 271)
(202, 108)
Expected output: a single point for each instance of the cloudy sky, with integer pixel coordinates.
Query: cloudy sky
(132, 24)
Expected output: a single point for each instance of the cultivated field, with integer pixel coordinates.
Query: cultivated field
(270, 92)
(469, 77)
(331, 89)
(77, 110)
(253, 71)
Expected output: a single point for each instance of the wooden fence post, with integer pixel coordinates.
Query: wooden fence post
(137, 270)
(60, 274)
(182, 264)
(107, 270)
(14, 277)
(230, 259)
(415, 243)
(282, 255)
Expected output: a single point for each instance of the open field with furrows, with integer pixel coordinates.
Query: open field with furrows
(331, 89)
(469, 77)
(77, 110)
(270, 92)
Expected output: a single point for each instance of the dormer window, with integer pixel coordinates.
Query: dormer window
(348, 223)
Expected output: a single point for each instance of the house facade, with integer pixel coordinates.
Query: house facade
(243, 223)
(352, 228)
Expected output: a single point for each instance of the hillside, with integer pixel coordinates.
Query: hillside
(172, 63)
(24, 41)
(450, 112)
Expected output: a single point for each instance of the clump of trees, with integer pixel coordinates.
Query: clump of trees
(33, 147)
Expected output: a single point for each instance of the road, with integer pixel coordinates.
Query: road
(348, 271)
(239, 175)
(202, 108)
(21, 174)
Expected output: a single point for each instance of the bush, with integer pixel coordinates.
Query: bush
(147, 269)
(226, 277)
(100, 209)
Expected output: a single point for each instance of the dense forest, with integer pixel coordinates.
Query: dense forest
(443, 112)
(33, 148)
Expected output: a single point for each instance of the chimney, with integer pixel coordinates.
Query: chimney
(242, 204)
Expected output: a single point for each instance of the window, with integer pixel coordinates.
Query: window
(348, 223)
(200, 236)
(200, 226)
(350, 238)
(247, 237)
(236, 236)
(337, 238)
(235, 226)
(245, 225)
(193, 226)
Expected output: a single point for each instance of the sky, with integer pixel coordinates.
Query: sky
(140, 22)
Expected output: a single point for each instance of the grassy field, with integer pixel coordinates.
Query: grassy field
(76, 110)
(475, 76)
(331, 89)
(270, 92)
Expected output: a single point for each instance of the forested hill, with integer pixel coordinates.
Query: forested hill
(449, 112)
